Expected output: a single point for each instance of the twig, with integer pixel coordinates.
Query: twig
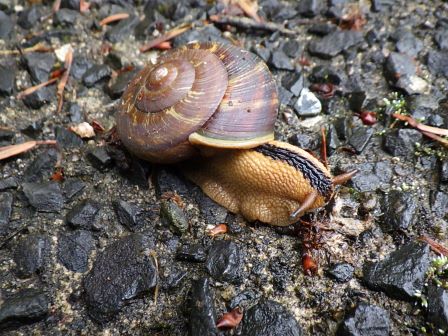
(156, 290)
(167, 36)
(435, 246)
(37, 47)
(13, 150)
(247, 23)
(30, 90)
(113, 18)
(64, 78)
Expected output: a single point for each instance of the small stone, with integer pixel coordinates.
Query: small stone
(66, 138)
(74, 250)
(262, 52)
(202, 319)
(100, 158)
(128, 214)
(122, 29)
(281, 61)
(8, 183)
(79, 66)
(444, 172)
(29, 17)
(293, 81)
(304, 141)
(366, 320)
(74, 113)
(243, 299)
(44, 197)
(438, 62)
(212, 212)
(412, 85)
(116, 90)
(82, 215)
(360, 138)
(225, 261)
(438, 307)
(39, 98)
(6, 25)
(284, 96)
(73, 187)
(95, 74)
(7, 79)
(341, 272)
(400, 210)
(307, 105)
(292, 48)
(42, 167)
(65, 17)
(270, 318)
(39, 65)
(174, 279)
(310, 8)
(322, 29)
(25, 307)
(439, 203)
(322, 74)
(401, 142)
(399, 65)
(5, 211)
(173, 215)
(209, 33)
(191, 252)
(410, 45)
(382, 5)
(166, 181)
(30, 254)
(441, 38)
(400, 274)
(334, 43)
(72, 4)
(371, 177)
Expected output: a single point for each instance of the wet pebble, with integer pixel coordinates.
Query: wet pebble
(334, 43)
(66, 138)
(128, 214)
(212, 212)
(400, 210)
(174, 279)
(438, 62)
(25, 307)
(262, 52)
(281, 61)
(100, 158)
(293, 82)
(73, 187)
(202, 319)
(304, 141)
(270, 318)
(167, 181)
(122, 29)
(438, 307)
(39, 65)
(30, 254)
(292, 48)
(74, 113)
(310, 8)
(360, 138)
(29, 17)
(401, 142)
(365, 320)
(307, 105)
(341, 272)
(123, 267)
(65, 17)
(401, 273)
(412, 84)
(191, 252)
(41, 168)
(74, 249)
(399, 65)
(225, 261)
(7, 79)
(79, 66)
(72, 4)
(243, 299)
(444, 172)
(284, 96)
(6, 200)
(6, 25)
(95, 74)
(209, 33)
(44, 197)
(82, 215)
(410, 45)
(441, 38)
(372, 176)
(439, 203)
(382, 5)
(39, 98)
(322, 29)
(173, 216)
(8, 183)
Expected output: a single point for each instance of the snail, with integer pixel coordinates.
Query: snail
(216, 105)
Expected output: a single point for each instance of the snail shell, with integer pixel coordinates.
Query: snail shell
(202, 94)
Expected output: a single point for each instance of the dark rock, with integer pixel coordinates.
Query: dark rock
(262, 52)
(293, 81)
(438, 307)
(42, 167)
(304, 141)
(243, 299)
(44, 197)
(270, 318)
(74, 250)
(365, 320)
(116, 90)
(65, 17)
(323, 74)
(82, 215)
(322, 29)
(401, 142)
(173, 216)
(30, 254)
(79, 66)
(39, 98)
(120, 273)
(6, 134)
(444, 172)
(438, 62)
(307, 105)
(402, 273)
(281, 271)
(441, 38)
(122, 29)
(209, 33)
(310, 8)
(360, 137)
(167, 181)
(281, 61)
(29, 17)
(382, 5)
(225, 261)
(128, 214)
(439, 203)
(72, 4)
(8, 183)
(24, 307)
(5, 211)
(202, 319)
(99, 158)
(191, 252)
(39, 65)
(32, 128)
(410, 45)
(212, 212)
(334, 43)
(284, 96)
(372, 176)
(399, 65)
(66, 138)
(400, 210)
(292, 48)
(341, 272)
(95, 74)
(6, 25)
(73, 187)
(174, 279)
(74, 113)
(7, 79)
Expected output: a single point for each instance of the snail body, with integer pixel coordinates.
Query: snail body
(220, 99)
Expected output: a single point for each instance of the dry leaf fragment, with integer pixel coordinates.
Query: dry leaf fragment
(84, 130)
(231, 319)
(216, 230)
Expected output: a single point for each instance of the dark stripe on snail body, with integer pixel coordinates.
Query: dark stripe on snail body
(213, 98)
